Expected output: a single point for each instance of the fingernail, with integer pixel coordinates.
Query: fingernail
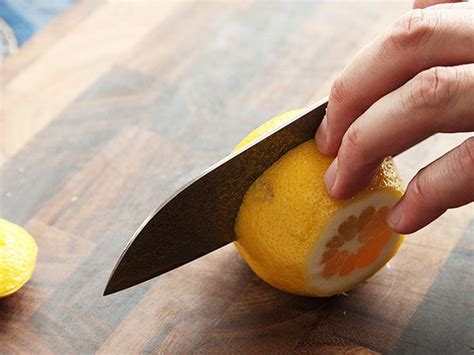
(321, 135)
(395, 215)
(330, 175)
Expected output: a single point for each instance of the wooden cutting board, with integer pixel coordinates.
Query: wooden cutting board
(116, 104)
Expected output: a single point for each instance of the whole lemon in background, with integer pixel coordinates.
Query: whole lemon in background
(17, 257)
(300, 240)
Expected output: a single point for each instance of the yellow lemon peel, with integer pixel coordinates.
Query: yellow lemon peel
(17, 257)
(297, 238)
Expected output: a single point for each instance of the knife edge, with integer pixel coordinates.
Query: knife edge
(199, 217)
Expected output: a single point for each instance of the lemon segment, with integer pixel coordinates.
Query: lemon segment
(297, 238)
(17, 257)
(361, 258)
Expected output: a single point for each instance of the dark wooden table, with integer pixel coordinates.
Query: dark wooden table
(115, 105)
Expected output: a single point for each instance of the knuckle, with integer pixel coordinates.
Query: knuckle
(466, 158)
(433, 89)
(339, 89)
(412, 29)
(419, 188)
(351, 143)
(352, 138)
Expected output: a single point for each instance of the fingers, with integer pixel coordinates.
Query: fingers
(455, 5)
(458, 5)
(446, 183)
(436, 100)
(421, 4)
(420, 40)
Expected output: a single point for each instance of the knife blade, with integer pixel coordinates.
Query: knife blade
(199, 217)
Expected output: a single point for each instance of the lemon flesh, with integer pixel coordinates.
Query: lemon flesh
(298, 239)
(17, 257)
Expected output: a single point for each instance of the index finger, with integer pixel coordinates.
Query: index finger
(420, 40)
(421, 4)
(436, 100)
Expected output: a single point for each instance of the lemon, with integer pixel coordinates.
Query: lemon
(17, 257)
(298, 239)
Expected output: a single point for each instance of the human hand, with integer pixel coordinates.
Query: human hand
(410, 83)
(421, 4)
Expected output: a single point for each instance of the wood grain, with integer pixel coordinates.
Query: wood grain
(122, 104)
(38, 45)
(58, 76)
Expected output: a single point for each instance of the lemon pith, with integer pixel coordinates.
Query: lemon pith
(17, 257)
(299, 240)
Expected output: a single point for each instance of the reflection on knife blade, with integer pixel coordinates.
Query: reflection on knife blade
(199, 217)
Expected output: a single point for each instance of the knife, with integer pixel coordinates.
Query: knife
(199, 217)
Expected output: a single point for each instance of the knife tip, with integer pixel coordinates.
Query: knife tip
(109, 289)
(114, 284)
(117, 282)
(107, 292)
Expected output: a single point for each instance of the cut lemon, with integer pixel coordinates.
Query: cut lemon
(17, 257)
(300, 240)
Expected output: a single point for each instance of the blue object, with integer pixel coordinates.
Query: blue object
(26, 17)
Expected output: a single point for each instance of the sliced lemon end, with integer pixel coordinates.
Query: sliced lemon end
(356, 243)
(16, 287)
(289, 230)
(18, 252)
